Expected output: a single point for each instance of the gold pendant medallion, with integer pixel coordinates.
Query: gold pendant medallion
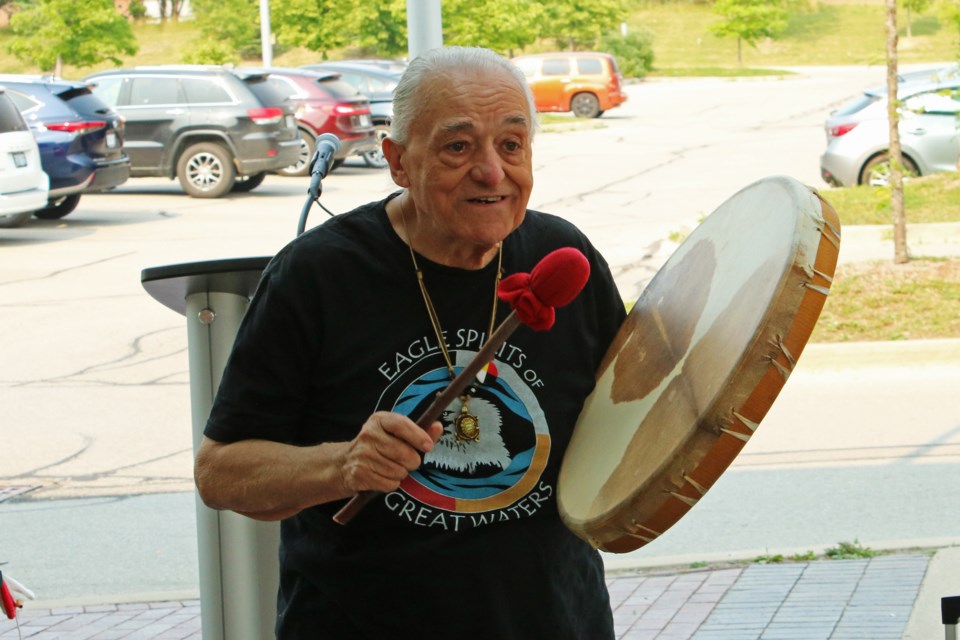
(467, 426)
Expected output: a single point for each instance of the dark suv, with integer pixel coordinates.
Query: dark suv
(80, 138)
(200, 124)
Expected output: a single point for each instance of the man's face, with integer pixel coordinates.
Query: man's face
(467, 164)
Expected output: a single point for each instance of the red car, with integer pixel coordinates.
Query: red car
(324, 104)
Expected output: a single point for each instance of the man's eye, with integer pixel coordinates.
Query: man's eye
(457, 147)
(512, 145)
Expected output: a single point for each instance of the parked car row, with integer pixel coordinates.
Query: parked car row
(215, 129)
(858, 134)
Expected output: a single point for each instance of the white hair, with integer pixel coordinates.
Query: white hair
(408, 97)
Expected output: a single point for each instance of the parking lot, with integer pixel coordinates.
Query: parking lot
(94, 378)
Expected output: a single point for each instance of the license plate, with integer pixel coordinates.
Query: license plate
(364, 121)
(291, 122)
(111, 139)
(19, 158)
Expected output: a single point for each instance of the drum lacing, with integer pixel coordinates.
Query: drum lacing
(686, 499)
(785, 371)
(653, 535)
(749, 424)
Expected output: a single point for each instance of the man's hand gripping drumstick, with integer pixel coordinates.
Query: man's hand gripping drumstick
(554, 282)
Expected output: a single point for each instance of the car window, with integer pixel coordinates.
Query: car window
(85, 103)
(339, 88)
(556, 67)
(855, 105)
(944, 102)
(355, 80)
(589, 66)
(24, 103)
(282, 87)
(528, 66)
(10, 118)
(150, 90)
(205, 91)
(382, 84)
(108, 89)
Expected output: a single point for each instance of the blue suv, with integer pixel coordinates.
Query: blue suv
(80, 138)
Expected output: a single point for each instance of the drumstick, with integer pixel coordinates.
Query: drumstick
(533, 297)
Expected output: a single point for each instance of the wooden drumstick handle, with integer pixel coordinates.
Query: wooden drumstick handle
(441, 402)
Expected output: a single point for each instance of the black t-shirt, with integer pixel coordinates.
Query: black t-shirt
(471, 545)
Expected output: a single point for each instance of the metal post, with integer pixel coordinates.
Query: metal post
(266, 39)
(424, 26)
(950, 614)
(239, 565)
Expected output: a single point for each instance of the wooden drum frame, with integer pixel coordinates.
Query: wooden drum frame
(698, 362)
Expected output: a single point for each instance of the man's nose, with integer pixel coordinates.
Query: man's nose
(488, 167)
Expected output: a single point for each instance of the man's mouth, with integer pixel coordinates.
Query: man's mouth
(487, 199)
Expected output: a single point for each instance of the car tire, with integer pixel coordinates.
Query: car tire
(302, 166)
(375, 158)
(876, 172)
(58, 208)
(206, 170)
(246, 184)
(585, 105)
(14, 220)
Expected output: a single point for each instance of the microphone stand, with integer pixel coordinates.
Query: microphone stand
(313, 192)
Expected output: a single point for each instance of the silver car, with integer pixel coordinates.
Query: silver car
(858, 136)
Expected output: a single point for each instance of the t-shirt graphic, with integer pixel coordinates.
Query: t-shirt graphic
(488, 475)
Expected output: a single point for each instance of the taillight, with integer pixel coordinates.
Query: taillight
(265, 115)
(348, 110)
(87, 126)
(842, 129)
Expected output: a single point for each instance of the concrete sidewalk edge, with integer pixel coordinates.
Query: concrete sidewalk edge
(940, 580)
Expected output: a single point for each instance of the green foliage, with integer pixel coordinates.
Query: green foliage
(229, 30)
(381, 28)
(467, 23)
(750, 20)
(850, 551)
(78, 32)
(318, 25)
(579, 24)
(774, 559)
(634, 53)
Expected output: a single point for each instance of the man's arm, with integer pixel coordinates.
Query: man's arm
(269, 480)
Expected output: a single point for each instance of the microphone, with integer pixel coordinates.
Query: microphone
(327, 145)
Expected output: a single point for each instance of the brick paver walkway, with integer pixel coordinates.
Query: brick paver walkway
(828, 599)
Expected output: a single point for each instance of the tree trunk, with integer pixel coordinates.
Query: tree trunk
(909, 25)
(896, 156)
(739, 52)
(58, 68)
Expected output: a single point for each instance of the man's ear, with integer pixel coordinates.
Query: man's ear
(393, 152)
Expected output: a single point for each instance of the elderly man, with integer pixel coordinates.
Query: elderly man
(356, 325)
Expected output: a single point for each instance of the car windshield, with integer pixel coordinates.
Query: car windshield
(266, 91)
(10, 118)
(339, 88)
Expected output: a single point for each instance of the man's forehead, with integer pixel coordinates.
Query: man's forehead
(465, 123)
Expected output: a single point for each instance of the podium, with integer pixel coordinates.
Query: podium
(238, 556)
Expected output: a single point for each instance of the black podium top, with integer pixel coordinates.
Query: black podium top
(171, 284)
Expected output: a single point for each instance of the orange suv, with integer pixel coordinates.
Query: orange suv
(586, 83)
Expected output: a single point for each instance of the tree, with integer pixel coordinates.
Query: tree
(381, 27)
(581, 23)
(77, 32)
(914, 6)
(318, 25)
(896, 156)
(229, 29)
(749, 20)
(466, 23)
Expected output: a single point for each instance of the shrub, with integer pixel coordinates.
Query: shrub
(634, 52)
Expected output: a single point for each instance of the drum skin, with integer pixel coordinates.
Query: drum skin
(698, 362)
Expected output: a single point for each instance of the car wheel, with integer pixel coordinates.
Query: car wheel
(245, 184)
(206, 170)
(302, 166)
(58, 208)
(876, 172)
(375, 158)
(14, 220)
(585, 105)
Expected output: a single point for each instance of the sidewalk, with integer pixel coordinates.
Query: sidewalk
(890, 596)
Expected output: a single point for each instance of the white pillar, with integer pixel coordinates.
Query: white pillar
(424, 26)
(266, 39)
